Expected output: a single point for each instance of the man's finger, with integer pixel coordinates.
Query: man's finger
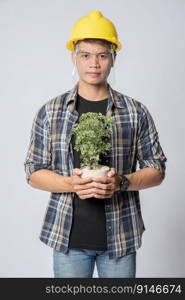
(103, 186)
(86, 196)
(86, 192)
(82, 181)
(101, 179)
(112, 172)
(82, 187)
(77, 172)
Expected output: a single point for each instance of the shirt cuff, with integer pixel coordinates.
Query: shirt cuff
(156, 164)
(31, 167)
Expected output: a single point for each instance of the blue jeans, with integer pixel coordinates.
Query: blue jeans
(81, 262)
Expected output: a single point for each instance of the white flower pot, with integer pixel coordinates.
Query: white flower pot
(100, 171)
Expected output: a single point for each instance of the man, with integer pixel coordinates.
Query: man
(94, 220)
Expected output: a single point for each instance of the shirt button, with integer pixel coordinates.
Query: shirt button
(110, 227)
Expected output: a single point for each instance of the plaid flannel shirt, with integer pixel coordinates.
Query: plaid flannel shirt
(134, 140)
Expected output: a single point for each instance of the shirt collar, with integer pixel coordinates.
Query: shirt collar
(114, 97)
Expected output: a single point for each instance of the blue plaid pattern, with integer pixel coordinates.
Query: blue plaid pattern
(134, 142)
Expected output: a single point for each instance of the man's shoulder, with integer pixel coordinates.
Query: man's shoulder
(57, 101)
(52, 105)
(132, 104)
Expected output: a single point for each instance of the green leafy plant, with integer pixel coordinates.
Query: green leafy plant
(91, 134)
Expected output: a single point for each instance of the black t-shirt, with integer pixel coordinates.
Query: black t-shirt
(89, 223)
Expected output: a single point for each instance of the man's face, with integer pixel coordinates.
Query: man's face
(93, 62)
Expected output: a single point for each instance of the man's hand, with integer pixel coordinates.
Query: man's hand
(102, 187)
(81, 186)
(106, 186)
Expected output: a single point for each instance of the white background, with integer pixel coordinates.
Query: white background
(35, 66)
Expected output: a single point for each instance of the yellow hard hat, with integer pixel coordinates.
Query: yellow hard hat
(93, 26)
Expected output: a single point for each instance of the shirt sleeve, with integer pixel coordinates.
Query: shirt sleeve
(39, 150)
(149, 151)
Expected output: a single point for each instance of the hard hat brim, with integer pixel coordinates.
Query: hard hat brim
(70, 43)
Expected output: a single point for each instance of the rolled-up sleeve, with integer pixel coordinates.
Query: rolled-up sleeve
(149, 150)
(39, 150)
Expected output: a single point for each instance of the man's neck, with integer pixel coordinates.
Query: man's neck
(93, 92)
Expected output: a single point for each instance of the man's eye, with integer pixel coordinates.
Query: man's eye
(103, 56)
(85, 55)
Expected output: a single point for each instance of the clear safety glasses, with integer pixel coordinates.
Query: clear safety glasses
(86, 56)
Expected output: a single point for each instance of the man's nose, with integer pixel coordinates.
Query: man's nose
(94, 60)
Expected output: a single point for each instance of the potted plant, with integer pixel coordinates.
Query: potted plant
(92, 133)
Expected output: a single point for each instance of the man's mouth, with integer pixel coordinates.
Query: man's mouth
(93, 74)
